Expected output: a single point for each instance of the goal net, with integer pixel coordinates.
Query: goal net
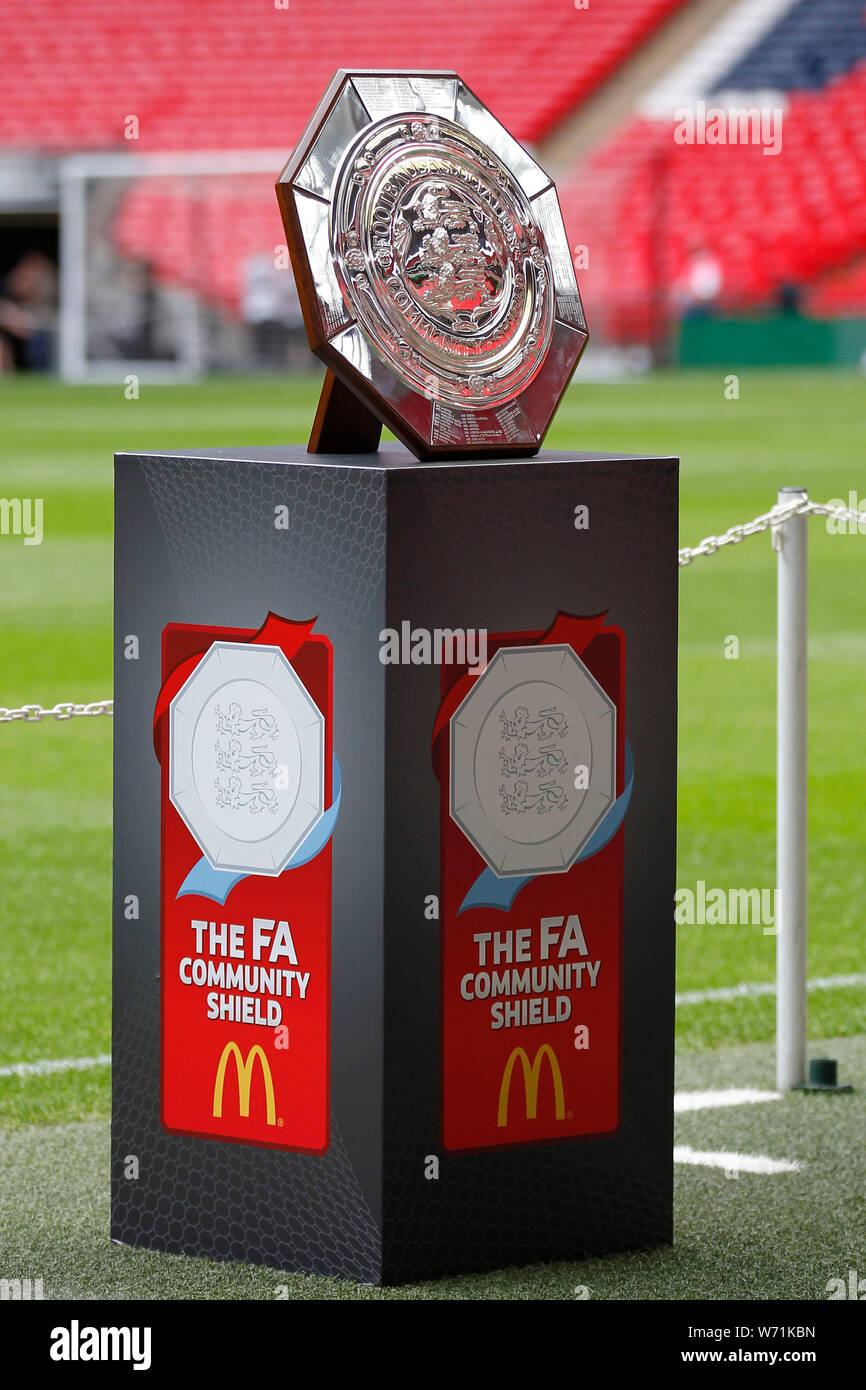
(173, 266)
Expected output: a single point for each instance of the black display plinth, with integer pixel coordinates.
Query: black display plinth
(462, 1056)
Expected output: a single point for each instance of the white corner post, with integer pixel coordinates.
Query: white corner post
(791, 796)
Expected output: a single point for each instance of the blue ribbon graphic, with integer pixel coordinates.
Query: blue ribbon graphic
(207, 882)
(489, 890)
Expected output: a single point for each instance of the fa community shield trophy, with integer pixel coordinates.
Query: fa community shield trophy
(438, 288)
(433, 270)
(395, 759)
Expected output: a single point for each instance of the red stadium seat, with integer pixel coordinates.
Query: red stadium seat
(642, 204)
(215, 74)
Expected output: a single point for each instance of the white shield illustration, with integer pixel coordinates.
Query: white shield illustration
(533, 760)
(247, 747)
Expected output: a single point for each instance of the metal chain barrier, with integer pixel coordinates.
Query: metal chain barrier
(765, 522)
(34, 714)
(710, 545)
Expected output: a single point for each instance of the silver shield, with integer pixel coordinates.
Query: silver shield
(247, 758)
(520, 740)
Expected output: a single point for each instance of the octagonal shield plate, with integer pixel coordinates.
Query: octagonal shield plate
(247, 758)
(432, 263)
(533, 760)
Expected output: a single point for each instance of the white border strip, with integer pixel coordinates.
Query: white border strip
(761, 987)
(714, 1100)
(716, 53)
(734, 1162)
(49, 1065)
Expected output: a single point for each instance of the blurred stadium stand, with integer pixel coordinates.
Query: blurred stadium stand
(784, 230)
(813, 42)
(216, 74)
(595, 91)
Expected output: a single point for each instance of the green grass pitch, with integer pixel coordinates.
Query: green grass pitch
(57, 443)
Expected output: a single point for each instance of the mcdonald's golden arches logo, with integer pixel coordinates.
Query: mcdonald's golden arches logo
(245, 1080)
(531, 1080)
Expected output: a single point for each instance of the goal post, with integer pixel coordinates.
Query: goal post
(169, 264)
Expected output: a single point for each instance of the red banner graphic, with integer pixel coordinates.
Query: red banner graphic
(531, 976)
(245, 981)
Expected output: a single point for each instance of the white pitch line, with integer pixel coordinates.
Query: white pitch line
(734, 1162)
(48, 1065)
(714, 1100)
(756, 989)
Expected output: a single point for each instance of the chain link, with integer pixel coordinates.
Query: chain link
(710, 545)
(775, 517)
(34, 714)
